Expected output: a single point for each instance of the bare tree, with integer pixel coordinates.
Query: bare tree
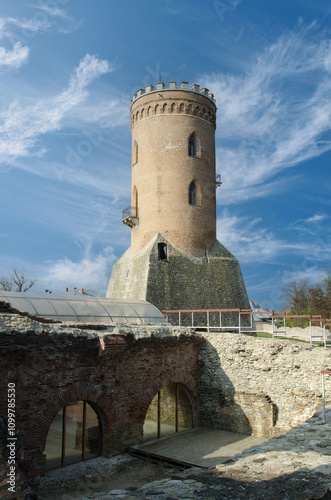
(6, 284)
(19, 280)
(296, 296)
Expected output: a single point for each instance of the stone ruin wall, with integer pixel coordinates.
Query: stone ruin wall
(259, 385)
(237, 382)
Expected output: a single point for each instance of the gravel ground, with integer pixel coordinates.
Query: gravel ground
(296, 466)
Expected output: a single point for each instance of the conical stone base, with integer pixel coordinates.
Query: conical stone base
(180, 282)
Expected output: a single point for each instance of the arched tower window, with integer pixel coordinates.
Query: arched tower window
(192, 147)
(135, 152)
(162, 251)
(192, 194)
(74, 435)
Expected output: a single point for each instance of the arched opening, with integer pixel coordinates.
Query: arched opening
(170, 411)
(135, 153)
(192, 194)
(192, 146)
(134, 202)
(75, 435)
(162, 251)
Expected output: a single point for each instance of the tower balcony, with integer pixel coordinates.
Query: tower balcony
(130, 216)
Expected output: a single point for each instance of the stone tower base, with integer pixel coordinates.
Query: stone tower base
(180, 282)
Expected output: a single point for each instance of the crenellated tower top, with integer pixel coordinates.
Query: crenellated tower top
(173, 100)
(160, 86)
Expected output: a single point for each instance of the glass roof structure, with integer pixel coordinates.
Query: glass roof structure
(80, 308)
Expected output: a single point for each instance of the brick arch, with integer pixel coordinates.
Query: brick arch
(156, 385)
(77, 392)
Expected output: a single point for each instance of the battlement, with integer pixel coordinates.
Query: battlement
(160, 86)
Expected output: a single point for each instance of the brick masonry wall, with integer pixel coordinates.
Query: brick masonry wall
(258, 385)
(161, 126)
(18, 481)
(120, 370)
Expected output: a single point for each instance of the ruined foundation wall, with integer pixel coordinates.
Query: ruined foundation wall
(118, 369)
(258, 385)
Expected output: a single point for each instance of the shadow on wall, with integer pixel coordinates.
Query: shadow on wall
(222, 406)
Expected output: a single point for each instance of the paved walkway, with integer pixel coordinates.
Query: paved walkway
(202, 447)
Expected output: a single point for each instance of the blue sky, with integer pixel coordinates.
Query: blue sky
(68, 69)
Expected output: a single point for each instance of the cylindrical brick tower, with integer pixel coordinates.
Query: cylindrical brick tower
(175, 261)
(173, 167)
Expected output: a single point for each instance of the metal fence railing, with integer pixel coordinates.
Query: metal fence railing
(130, 212)
(242, 321)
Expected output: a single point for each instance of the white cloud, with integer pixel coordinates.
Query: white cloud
(316, 218)
(13, 58)
(273, 115)
(92, 272)
(44, 18)
(251, 243)
(311, 225)
(21, 126)
(248, 241)
(19, 32)
(312, 275)
(27, 27)
(52, 11)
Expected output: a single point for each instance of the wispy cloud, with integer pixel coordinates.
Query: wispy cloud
(312, 225)
(250, 242)
(19, 31)
(91, 272)
(265, 124)
(52, 11)
(28, 26)
(313, 275)
(22, 126)
(316, 218)
(44, 18)
(13, 58)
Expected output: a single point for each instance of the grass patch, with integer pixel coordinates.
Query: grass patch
(264, 334)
